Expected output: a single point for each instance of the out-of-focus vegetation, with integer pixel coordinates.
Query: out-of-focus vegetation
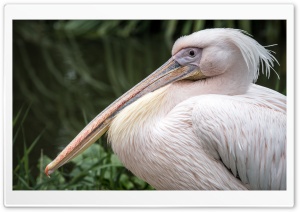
(66, 72)
(95, 169)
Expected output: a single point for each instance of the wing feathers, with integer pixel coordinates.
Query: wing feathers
(247, 133)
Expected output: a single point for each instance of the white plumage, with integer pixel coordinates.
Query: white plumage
(187, 136)
(199, 122)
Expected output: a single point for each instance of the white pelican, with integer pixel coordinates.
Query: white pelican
(198, 122)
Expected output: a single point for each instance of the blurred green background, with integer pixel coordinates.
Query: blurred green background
(65, 72)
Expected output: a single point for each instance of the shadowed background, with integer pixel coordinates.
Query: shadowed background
(66, 72)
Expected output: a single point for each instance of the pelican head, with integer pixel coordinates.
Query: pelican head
(227, 57)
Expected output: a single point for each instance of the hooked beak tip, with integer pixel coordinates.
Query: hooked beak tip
(47, 171)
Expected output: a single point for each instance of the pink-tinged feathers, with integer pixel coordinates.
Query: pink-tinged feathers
(219, 133)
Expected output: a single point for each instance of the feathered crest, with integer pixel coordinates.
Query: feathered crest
(255, 55)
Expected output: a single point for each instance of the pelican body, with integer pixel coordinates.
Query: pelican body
(198, 122)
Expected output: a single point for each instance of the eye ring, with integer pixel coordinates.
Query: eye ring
(192, 53)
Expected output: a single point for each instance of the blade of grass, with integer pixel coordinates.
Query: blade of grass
(23, 182)
(21, 123)
(16, 118)
(25, 160)
(27, 151)
(41, 166)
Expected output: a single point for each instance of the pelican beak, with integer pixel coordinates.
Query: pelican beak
(169, 72)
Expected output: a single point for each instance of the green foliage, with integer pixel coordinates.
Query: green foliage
(95, 169)
(95, 29)
(170, 29)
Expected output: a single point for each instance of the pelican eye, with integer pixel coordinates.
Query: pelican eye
(192, 53)
(188, 56)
